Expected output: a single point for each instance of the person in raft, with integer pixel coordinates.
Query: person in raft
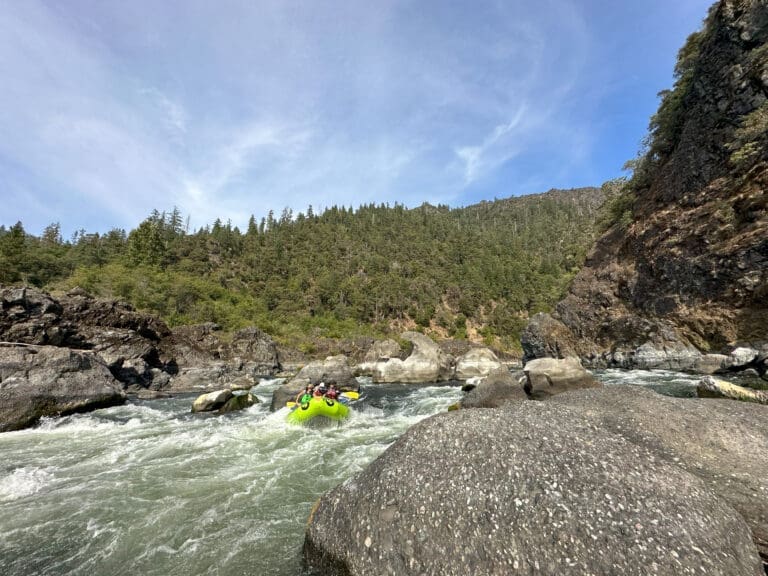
(305, 395)
(332, 393)
(320, 390)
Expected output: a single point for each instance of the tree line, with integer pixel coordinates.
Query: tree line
(477, 271)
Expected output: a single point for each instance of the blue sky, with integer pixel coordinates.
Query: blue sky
(109, 109)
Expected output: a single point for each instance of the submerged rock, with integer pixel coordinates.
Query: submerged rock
(533, 488)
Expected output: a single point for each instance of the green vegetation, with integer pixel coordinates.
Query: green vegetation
(473, 272)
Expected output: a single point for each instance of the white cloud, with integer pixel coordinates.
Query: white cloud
(244, 108)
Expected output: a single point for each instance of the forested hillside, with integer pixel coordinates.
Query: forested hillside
(474, 272)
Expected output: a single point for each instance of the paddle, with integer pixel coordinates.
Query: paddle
(351, 395)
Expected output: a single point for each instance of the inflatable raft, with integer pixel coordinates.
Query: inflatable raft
(326, 407)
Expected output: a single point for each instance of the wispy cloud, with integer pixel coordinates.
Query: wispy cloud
(109, 110)
(497, 147)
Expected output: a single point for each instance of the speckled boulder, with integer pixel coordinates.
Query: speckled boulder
(530, 489)
(723, 443)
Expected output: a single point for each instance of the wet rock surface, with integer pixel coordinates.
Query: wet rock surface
(531, 488)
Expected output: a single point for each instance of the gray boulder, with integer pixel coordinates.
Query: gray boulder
(128, 341)
(549, 376)
(709, 387)
(211, 376)
(238, 402)
(39, 381)
(223, 401)
(673, 356)
(427, 363)
(256, 350)
(382, 350)
(499, 387)
(209, 361)
(725, 444)
(532, 488)
(211, 401)
(710, 363)
(740, 358)
(476, 362)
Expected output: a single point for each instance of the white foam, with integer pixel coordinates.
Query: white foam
(24, 482)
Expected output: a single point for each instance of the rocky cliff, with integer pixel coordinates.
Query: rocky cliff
(687, 272)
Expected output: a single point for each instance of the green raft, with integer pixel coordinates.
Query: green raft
(305, 411)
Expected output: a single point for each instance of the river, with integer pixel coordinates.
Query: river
(149, 488)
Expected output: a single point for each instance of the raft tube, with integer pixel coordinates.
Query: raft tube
(304, 412)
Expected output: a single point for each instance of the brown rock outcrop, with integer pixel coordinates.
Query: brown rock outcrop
(691, 269)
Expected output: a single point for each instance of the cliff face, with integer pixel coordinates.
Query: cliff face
(691, 269)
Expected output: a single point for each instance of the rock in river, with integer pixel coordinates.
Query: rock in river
(532, 488)
(38, 381)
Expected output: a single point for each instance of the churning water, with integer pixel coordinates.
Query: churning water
(149, 488)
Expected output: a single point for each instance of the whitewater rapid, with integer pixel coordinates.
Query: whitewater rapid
(149, 488)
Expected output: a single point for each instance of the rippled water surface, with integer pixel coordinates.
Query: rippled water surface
(662, 381)
(149, 488)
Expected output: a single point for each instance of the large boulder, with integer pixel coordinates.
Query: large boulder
(723, 443)
(382, 350)
(677, 357)
(427, 363)
(257, 351)
(333, 369)
(499, 387)
(129, 342)
(709, 387)
(39, 381)
(476, 362)
(211, 401)
(532, 488)
(549, 376)
(710, 363)
(223, 401)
